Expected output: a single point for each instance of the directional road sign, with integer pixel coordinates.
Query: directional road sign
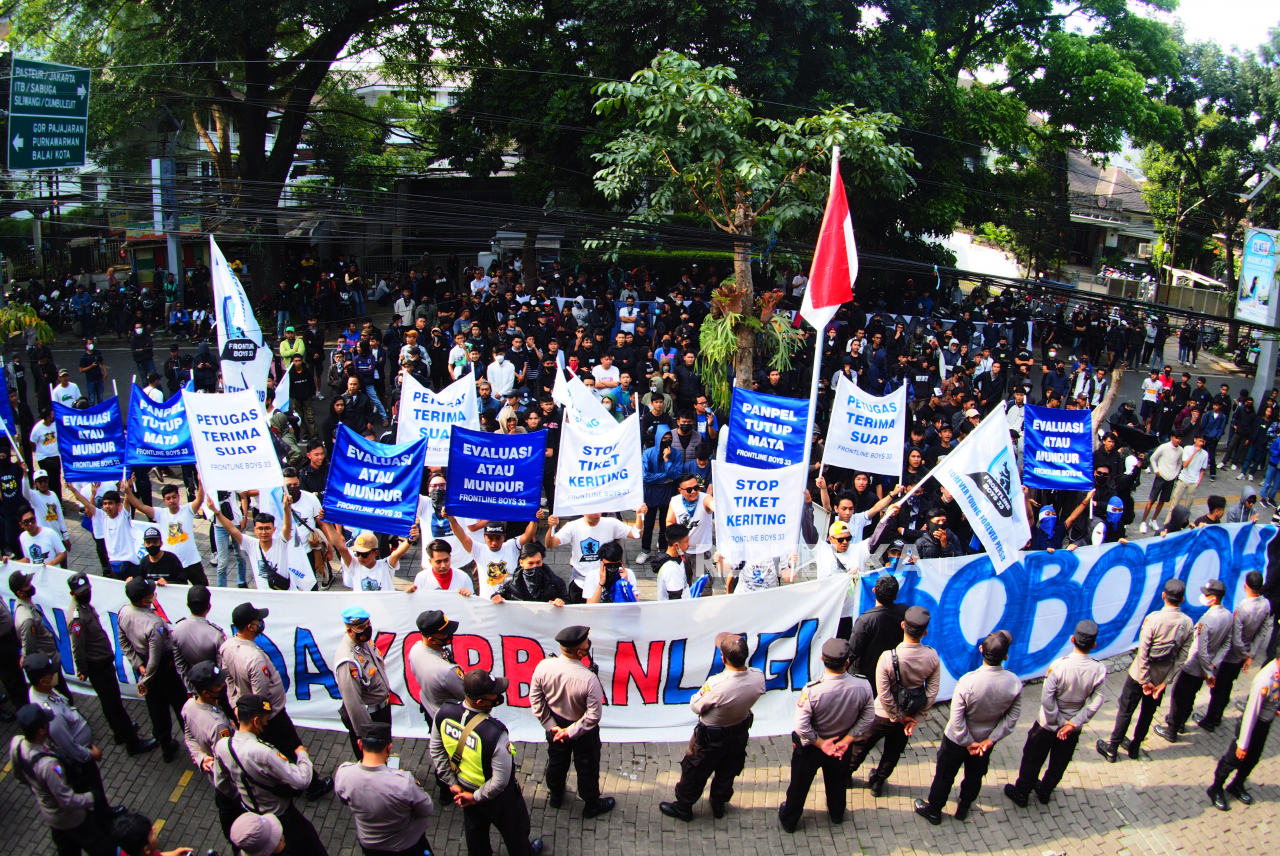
(48, 115)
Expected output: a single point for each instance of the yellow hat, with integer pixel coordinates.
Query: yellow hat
(840, 529)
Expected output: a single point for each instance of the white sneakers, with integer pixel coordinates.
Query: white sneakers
(642, 558)
(1143, 528)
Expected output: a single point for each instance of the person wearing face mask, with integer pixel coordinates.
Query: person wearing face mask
(251, 674)
(612, 583)
(94, 370)
(471, 752)
(361, 675)
(143, 350)
(158, 566)
(1108, 529)
(146, 642)
(1210, 644)
(566, 697)
(95, 662)
(501, 374)
(532, 582)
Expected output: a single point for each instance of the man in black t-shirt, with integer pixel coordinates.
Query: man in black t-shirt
(159, 566)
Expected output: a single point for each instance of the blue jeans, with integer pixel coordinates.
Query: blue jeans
(282, 321)
(377, 405)
(357, 297)
(1184, 353)
(95, 392)
(226, 548)
(145, 369)
(1271, 484)
(1257, 458)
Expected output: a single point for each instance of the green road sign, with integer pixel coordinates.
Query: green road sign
(48, 115)
(38, 143)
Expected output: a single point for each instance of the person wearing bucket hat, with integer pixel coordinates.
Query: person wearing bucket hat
(257, 834)
(146, 641)
(480, 772)
(1210, 644)
(361, 675)
(205, 722)
(1073, 693)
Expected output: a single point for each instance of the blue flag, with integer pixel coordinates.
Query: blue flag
(6, 411)
(91, 442)
(372, 485)
(495, 476)
(766, 431)
(159, 434)
(1058, 448)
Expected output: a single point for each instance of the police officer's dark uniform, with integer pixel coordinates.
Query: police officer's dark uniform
(15, 687)
(33, 630)
(391, 810)
(719, 743)
(566, 696)
(264, 779)
(1073, 692)
(361, 675)
(471, 751)
(65, 811)
(96, 661)
(146, 643)
(203, 725)
(836, 708)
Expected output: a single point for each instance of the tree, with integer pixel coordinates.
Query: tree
(693, 143)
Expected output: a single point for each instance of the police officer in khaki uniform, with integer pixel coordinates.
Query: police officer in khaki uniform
(1163, 643)
(249, 671)
(566, 696)
(1210, 644)
(10, 656)
(985, 707)
(719, 743)
(70, 736)
(907, 681)
(1251, 738)
(96, 663)
(65, 811)
(1250, 635)
(196, 639)
(833, 712)
(391, 810)
(1073, 692)
(204, 724)
(471, 752)
(362, 677)
(439, 678)
(33, 633)
(264, 779)
(146, 643)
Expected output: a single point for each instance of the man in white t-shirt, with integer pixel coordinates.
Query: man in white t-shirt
(46, 503)
(177, 523)
(268, 548)
(44, 440)
(440, 575)
(585, 536)
(112, 526)
(607, 375)
(458, 357)
(65, 392)
(40, 544)
(757, 574)
(1194, 461)
(307, 512)
(673, 578)
(1151, 388)
(495, 556)
(839, 556)
(362, 570)
(602, 585)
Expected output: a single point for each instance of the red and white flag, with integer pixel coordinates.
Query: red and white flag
(835, 261)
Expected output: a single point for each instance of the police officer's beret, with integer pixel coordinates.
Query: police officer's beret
(78, 583)
(1175, 589)
(138, 588)
(198, 595)
(38, 665)
(253, 704)
(433, 622)
(479, 682)
(835, 649)
(32, 716)
(377, 731)
(205, 674)
(917, 616)
(573, 635)
(1086, 633)
(354, 615)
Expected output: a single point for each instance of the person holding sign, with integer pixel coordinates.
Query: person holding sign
(177, 527)
(585, 536)
(496, 558)
(533, 582)
(366, 572)
(111, 526)
(268, 550)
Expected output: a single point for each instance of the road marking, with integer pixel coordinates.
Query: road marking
(182, 786)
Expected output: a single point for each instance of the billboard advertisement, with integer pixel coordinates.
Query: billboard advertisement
(1259, 291)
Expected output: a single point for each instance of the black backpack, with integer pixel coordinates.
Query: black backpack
(909, 699)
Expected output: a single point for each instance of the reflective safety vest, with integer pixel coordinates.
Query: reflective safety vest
(476, 764)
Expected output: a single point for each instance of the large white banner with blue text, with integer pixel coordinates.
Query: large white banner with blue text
(245, 356)
(866, 432)
(598, 472)
(232, 441)
(424, 414)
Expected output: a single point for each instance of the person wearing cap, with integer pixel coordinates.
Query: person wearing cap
(32, 626)
(391, 810)
(257, 834)
(439, 678)
(40, 545)
(908, 677)
(65, 392)
(565, 695)
(1250, 635)
(361, 675)
(362, 570)
(496, 557)
(158, 566)
(472, 754)
(95, 662)
(269, 549)
(204, 723)
(176, 522)
(719, 744)
(65, 811)
(264, 779)
(985, 706)
(1073, 693)
(533, 581)
(43, 490)
(1210, 644)
(1245, 751)
(833, 712)
(196, 638)
(836, 558)
(1163, 643)
(111, 526)
(249, 671)
(145, 641)
(70, 736)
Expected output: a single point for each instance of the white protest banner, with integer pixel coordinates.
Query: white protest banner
(232, 441)
(757, 511)
(866, 432)
(982, 474)
(599, 472)
(580, 405)
(240, 345)
(653, 656)
(432, 415)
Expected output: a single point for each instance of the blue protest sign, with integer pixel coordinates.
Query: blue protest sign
(374, 486)
(495, 476)
(6, 412)
(91, 442)
(766, 431)
(1058, 448)
(159, 434)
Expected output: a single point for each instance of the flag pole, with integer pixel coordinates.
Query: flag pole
(817, 351)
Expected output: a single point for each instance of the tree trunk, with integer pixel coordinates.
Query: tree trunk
(744, 361)
(529, 261)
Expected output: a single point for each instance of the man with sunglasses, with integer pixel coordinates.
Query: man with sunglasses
(40, 544)
(362, 570)
(361, 675)
(834, 558)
